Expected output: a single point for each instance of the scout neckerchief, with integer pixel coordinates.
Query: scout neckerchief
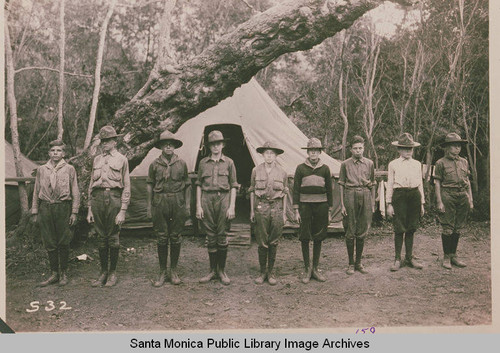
(53, 172)
(162, 160)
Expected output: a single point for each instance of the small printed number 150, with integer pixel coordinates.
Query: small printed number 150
(35, 306)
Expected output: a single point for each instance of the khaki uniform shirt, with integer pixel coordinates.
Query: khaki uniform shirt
(55, 184)
(168, 177)
(357, 173)
(453, 173)
(110, 170)
(217, 175)
(269, 186)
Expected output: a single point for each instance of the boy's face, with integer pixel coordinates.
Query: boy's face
(168, 148)
(357, 150)
(405, 152)
(108, 144)
(269, 156)
(56, 153)
(453, 149)
(216, 147)
(313, 154)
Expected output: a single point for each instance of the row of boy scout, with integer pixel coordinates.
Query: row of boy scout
(56, 201)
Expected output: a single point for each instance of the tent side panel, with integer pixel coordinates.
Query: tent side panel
(137, 210)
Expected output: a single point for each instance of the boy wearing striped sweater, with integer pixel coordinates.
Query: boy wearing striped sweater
(313, 202)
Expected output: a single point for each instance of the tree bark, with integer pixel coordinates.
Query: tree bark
(11, 98)
(213, 75)
(343, 99)
(165, 60)
(62, 45)
(97, 74)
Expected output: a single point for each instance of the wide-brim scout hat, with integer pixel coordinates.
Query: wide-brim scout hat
(313, 143)
(167, 136)
(453, 138)
(216, 136)
(270, 145)
(405, 140)
(108, 132)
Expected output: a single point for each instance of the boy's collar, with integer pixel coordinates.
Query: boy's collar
(57, 166)
(318, 164)
(405, 159)
(112, 152)
(222, 157)
(164, 160)
(452, 157)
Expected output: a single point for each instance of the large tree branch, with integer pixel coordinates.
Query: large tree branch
(233, 60)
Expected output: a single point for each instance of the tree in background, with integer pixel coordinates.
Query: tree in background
(97, 73)
(62, 46)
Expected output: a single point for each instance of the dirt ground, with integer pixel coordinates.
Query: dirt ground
(432, 296)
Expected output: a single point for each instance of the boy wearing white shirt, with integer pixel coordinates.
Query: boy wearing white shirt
(405, 199)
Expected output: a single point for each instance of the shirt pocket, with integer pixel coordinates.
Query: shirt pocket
(206, 175)
(63, 182)
(97, 169)
(464, 175)
(260, 184)
(177, 174)
(449, 173)
(115, 170)
(223, 178)
(278, 185)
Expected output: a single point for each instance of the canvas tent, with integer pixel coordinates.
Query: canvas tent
(248, 118)
(12, 205)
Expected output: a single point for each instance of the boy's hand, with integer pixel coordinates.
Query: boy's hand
(148, 212)
(471, 204)
(422, 210)
(72, 219)
(252, 216)
(390, 211)
(230, 214)
(120, 217)
(344, 211)
(199, 212)
(297, 216)
(90, 216)
(440, 207)
(34, 217)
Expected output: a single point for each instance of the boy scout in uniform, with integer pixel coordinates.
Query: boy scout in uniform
(313, 202)
(405, 199)
(56, 200)
(109, 196)
(357, 199)
(168, 203)
(215, 203)
(454, 197)
(268, 190)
